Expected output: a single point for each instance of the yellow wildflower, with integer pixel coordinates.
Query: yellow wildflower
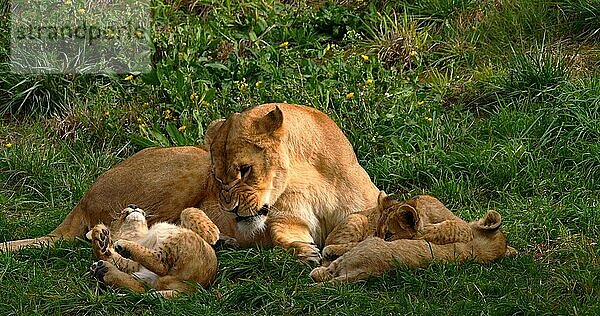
(138, 33)
(142, 125)
(412, 53)
(283, 45)
(139, 120)
(369, 81)
(428, 119)
(67, 2)
(258, 83)
(106, 113)
(8, 145)
(365, 57)
(204, 103)
(167, 114)
(182, 128)
(328, 47)
(81, 11)
(194, 96)
(420, 102)
(129, 77)
(350, 95)
(146, 105)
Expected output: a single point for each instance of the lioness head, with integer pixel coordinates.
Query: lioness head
(249, 163)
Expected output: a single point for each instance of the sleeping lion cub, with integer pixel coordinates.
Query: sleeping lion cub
(164, 256)
(410, 233)
(421, 217)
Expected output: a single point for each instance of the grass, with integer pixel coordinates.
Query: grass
(484, 104)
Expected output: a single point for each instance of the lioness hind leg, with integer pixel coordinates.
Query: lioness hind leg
(197, 221)
(16, 245)
(108, 274)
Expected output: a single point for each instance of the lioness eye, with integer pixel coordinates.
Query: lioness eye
(245, 170)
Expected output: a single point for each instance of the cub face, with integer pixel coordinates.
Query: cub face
(397, 221)
(249, 165)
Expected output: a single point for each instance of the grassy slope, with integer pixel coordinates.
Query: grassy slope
(487, 105)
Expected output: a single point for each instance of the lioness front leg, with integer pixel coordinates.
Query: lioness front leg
(294, 234)
(153, 260)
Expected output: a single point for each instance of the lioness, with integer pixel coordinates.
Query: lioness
(285, 175)
(164, 256)
(444, 241)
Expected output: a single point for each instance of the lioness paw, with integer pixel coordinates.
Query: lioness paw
(307, 252)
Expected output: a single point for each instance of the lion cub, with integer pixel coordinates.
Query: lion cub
(421, 217)
(431, 237)
(164, 256)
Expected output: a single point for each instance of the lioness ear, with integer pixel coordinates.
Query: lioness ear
(89, 235)
(271, 122)
(211, 131)
(491, 221)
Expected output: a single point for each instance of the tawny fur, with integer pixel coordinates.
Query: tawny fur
(302, 168)
(165, 257)
(433, 239)
(421, 217)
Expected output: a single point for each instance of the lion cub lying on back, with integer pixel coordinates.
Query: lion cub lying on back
(163, 257)
(410, 234)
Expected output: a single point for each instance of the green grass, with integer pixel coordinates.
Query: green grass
(484, 104)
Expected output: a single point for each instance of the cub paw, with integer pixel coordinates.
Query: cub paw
(321, 274)
(99, 270)
(121, 249)
(226, 242)
(307, 252)
(101, 242)
(328, 256)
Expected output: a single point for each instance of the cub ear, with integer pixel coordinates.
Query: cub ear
(270, 123)
(384, 201)
(490, 221)
(89, 235)
(381, 198)
(212, 130)
(409, 216)
(405, 216)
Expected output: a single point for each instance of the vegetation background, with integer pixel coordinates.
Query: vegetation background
(489, 104)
